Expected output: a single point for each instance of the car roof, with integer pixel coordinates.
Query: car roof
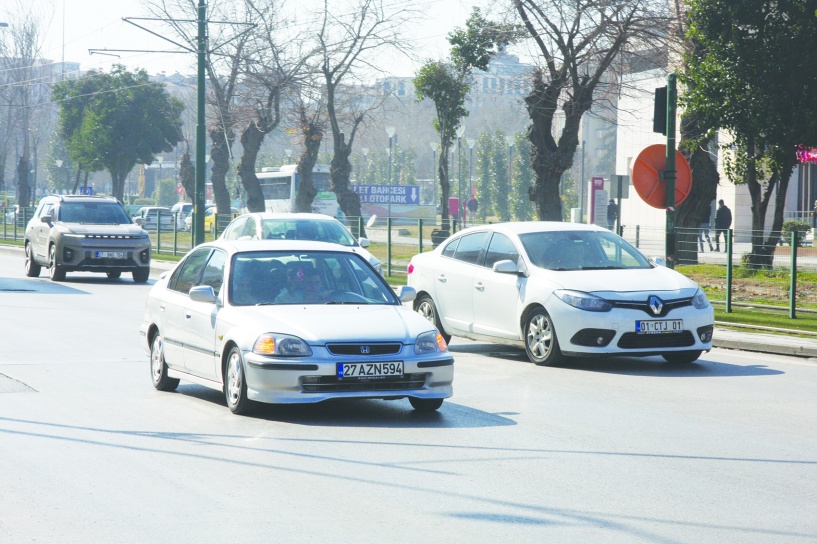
(82, 198)
(293, 216)
(239, 246)
(524, 227)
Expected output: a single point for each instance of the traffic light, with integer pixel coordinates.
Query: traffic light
(659, 112)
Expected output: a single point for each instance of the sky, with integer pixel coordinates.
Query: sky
(97, 24)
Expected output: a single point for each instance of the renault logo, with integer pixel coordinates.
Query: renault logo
(655, 305)
(365, 350)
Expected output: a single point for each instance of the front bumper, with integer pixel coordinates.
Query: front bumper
(314, 379)
(82, 254)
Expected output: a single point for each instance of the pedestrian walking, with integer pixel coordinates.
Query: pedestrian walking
(703, 228)
(472, 206)
(723, 220)
(612, 214)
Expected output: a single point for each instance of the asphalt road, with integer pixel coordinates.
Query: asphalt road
(614, 450)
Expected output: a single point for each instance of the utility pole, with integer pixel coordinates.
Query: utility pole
(198, 200)
(669, 172)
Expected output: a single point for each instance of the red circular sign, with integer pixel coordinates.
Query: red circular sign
(647, 181)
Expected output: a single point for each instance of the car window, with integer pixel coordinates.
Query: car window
(500, 249)
(187, 274)
(94, 213)
(470, 247)
(249, 228)
(581, 250)
(448, 251)
(235, 228)
(213, 274)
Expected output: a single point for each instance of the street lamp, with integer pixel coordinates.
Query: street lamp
(390, 133)
(470, 142)
(365, 151)
(510, 141)
(460, 132)
(58, 162)
(289, 154)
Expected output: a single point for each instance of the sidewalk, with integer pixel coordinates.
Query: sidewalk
(723, 338)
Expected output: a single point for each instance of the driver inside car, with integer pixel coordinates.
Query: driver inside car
(304, 284)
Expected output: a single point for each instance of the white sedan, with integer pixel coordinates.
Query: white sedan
(297, 226)
(291, 322)
(560, 289)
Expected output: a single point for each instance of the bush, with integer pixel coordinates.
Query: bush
(801, 227)
(144, 202)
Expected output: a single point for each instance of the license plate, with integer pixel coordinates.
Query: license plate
(659, 326)
(370, 370)
(110, 254)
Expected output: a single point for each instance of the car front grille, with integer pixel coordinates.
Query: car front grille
(633, 340)
(364, 349)
(331, 384)
(644, 306)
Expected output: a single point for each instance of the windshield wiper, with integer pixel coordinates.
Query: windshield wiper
(608, 267)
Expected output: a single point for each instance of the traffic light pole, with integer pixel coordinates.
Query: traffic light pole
(198, 199)
(669, 172)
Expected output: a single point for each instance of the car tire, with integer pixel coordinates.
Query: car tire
(32, 268)
(541, 343)
(425, 405)
(682, 357)
(426, 308)
(113, 275)
(141, 275)
(235, 384)
(56, 272)
(158, 367)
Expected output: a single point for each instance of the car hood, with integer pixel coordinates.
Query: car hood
(126, 229)
(318, 324)
(616, 284)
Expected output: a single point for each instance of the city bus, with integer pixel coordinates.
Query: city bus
(280, 188)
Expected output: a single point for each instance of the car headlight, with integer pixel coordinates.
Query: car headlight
(583, 301)
(70, 235)
(282, 345)
(429, 342)
(700, 301)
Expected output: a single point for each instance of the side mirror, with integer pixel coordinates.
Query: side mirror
(364, 242)
(202, 293)
(406, 293)
(46, 219)
(139, 221)
(506, 266)
(658, 261)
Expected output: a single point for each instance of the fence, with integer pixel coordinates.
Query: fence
(729, 276)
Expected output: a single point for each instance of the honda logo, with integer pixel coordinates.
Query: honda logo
(365, 350)
(655, 305)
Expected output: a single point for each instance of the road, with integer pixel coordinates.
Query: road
(614, 450)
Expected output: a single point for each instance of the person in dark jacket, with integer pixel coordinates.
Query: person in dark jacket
(723, 220)
(703, 225)
(612, 214)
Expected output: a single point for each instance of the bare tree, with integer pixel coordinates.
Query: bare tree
(348, 42)
(274, 63)
(577, 42)
(24, 79)
(227, 40)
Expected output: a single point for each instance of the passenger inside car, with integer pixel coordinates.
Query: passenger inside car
(304, 284)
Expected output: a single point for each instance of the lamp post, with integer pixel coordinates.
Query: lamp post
(390, 132)
(470, 142)
(509, 141)
(58, 162)
(460, 132)
(581, 189)
(289, 154)
(365, 151)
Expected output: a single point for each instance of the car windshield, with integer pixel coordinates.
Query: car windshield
(581, 250)
(308, 229)
(93, 213)
(286, 277)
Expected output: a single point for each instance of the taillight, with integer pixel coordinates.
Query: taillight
(410, 268)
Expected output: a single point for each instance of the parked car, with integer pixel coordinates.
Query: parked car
(291, 322)
(153, 215)
(559, 290)
(209, 218)
(180, 211)
(297, 226)
(85, 233)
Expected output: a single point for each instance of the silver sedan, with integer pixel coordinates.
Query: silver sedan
(291, 322)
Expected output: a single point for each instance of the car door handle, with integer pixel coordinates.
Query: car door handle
(188, 315)
(441, 278)
(162, 308)
(479, 287)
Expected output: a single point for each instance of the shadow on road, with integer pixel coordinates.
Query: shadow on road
(361, 413)
(42, 286)
(619, 364)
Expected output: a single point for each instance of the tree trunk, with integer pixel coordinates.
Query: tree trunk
(251, 139)
(23, 188)
(341, 171)
(187, 175)
(76, 180)
(220, 155)
(313, 136)
(445, 186)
